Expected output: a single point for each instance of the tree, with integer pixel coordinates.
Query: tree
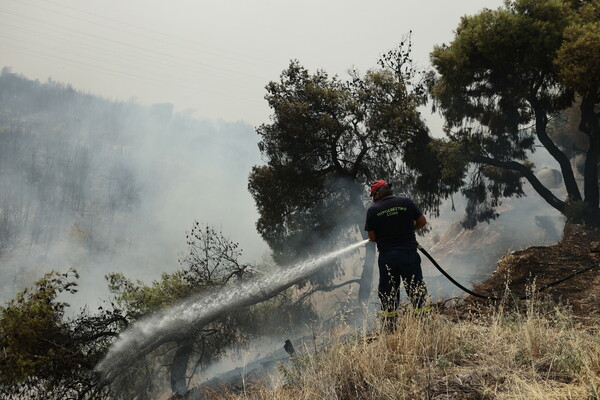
(211, 263)
(505, 75)
(328, 139)
(45, 355)
(578, 63)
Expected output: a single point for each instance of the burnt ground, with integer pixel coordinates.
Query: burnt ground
(540, 265)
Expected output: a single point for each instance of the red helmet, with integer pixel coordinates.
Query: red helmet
(377, 185)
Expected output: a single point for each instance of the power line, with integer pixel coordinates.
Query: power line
(128, 45)
(98, 47)
(121, 73)
(162, 35)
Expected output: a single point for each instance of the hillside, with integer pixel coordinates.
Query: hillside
(111, 186)
(540, 265)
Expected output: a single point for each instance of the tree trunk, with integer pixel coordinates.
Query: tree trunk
(590, 178)
(541, 125)
(589, 126)
(179, 366)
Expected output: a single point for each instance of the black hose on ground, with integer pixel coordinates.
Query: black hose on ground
(481, 296)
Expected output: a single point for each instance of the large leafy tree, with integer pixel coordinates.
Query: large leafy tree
(505, 75)
(327, 139)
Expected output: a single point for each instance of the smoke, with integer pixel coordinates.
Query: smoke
(471, 256)
(106, 186)
(109, 186)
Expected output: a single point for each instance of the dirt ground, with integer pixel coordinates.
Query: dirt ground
(539, 265)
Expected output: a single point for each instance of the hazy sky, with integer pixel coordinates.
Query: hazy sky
(214, 57)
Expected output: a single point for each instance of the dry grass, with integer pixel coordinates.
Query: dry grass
(535, 354)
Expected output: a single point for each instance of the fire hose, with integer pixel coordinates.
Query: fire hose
(481, 296)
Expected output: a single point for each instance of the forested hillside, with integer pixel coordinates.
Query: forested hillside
(108, 185)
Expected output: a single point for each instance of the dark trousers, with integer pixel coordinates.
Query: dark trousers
(396, 266)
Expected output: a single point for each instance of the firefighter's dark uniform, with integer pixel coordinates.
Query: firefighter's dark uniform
(392, 218)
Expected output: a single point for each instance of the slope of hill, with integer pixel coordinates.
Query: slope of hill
(545, 348)
(539, 265)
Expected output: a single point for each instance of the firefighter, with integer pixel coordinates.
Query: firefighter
(391, 223)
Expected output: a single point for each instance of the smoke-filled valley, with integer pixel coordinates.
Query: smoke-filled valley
(108, 186)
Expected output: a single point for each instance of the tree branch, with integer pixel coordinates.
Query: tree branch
(326, 289)
(546, 194)
(541, 121)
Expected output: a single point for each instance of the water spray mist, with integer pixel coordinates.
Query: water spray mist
(165, 326)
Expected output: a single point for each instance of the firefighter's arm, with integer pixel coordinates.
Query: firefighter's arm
(420, 222)
(372, 236)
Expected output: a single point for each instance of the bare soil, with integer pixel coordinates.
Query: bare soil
(536, 266)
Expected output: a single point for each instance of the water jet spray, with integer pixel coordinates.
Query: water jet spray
(166, 326)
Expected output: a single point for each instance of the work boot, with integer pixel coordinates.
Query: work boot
(389, 321)
(422, 312)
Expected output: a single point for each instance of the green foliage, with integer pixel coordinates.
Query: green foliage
(509, 68)
(33, 332)
(328, 139)
(497, 61)
(43, 352)
(578, 58)
(453, 162)
(139, 299)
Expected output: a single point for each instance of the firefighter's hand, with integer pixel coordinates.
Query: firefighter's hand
(420, 222)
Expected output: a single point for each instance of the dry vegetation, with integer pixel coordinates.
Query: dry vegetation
(537, 352)
(539, 265)
(537, 349)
